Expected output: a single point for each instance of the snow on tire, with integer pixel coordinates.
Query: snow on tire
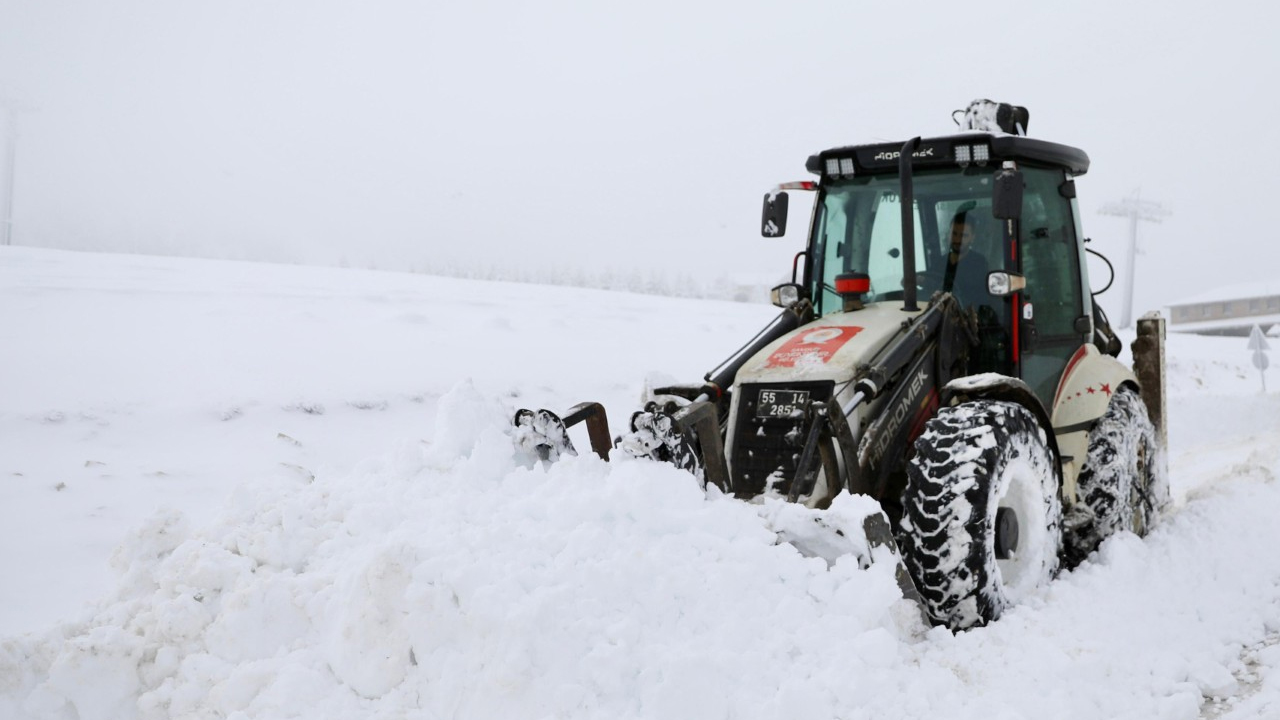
(976, 466)
(1121, 486)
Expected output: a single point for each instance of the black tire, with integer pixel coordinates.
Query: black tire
(971, 461)
(1122, 486)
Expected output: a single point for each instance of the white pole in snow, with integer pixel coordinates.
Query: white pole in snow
(1259, 345)
(1134, 208)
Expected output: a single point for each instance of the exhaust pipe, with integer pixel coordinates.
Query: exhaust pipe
(908, 225)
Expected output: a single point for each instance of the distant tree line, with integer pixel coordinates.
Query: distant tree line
(647, 282)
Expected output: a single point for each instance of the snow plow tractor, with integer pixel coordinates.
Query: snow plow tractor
(939, 350)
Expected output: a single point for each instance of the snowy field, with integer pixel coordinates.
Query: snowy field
(231, 490)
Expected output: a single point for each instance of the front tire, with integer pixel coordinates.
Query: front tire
(982, 518)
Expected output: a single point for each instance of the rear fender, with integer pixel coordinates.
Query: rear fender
(1084, 392)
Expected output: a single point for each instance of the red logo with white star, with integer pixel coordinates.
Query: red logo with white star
(814, 347)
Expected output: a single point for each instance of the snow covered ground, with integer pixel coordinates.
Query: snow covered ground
(231, 490)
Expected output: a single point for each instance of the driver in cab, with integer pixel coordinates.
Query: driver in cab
(966, 269)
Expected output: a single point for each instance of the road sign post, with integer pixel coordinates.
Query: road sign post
(1259, 345)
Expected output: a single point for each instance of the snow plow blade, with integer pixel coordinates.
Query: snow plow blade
(880, 535)
(543, 432)
(830, 538)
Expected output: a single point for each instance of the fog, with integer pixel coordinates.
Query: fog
(430, 136)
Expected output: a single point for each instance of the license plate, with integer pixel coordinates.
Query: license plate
(781, 403)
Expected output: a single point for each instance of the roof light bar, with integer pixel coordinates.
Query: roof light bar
(846, 166)
(965, 154)
(833, 166)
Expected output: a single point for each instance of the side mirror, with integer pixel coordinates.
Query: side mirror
(786, 295)
(1004, 284)
(1006, 194)
(774, 221)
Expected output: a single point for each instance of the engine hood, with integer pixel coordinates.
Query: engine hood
(829, 348)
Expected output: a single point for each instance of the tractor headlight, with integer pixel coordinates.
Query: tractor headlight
(786, 295)
(1004, 284)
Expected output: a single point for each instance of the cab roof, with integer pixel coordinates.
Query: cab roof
(949, 150)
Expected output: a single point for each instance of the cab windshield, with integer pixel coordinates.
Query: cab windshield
(859, 229)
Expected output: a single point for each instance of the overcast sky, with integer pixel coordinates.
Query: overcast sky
(602, 134)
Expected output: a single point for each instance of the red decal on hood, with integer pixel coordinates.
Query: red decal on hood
(811, 347)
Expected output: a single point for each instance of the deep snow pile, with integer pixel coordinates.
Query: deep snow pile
(449, 578)
(131, 383)
(438, 577)
(445, 578)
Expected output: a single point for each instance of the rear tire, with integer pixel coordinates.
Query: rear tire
(976, 466)
(1121, 486)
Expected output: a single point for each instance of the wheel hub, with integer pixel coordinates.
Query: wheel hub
(1006, 533)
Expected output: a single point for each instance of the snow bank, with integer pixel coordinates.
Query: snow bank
(445, 580)
(442, 580)
(449, 579)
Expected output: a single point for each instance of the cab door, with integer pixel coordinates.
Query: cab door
(1047, 254)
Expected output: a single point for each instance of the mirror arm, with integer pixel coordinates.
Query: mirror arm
(795, 265)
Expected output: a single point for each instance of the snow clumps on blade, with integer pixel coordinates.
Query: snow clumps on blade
(464, 420)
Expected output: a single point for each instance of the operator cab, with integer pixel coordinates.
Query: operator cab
(963, 230)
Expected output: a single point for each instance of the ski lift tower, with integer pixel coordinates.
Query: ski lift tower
(8, 148)
(9, 112)
(1134, 208)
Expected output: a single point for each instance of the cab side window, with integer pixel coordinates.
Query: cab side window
(835, 231)
(884, 260)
